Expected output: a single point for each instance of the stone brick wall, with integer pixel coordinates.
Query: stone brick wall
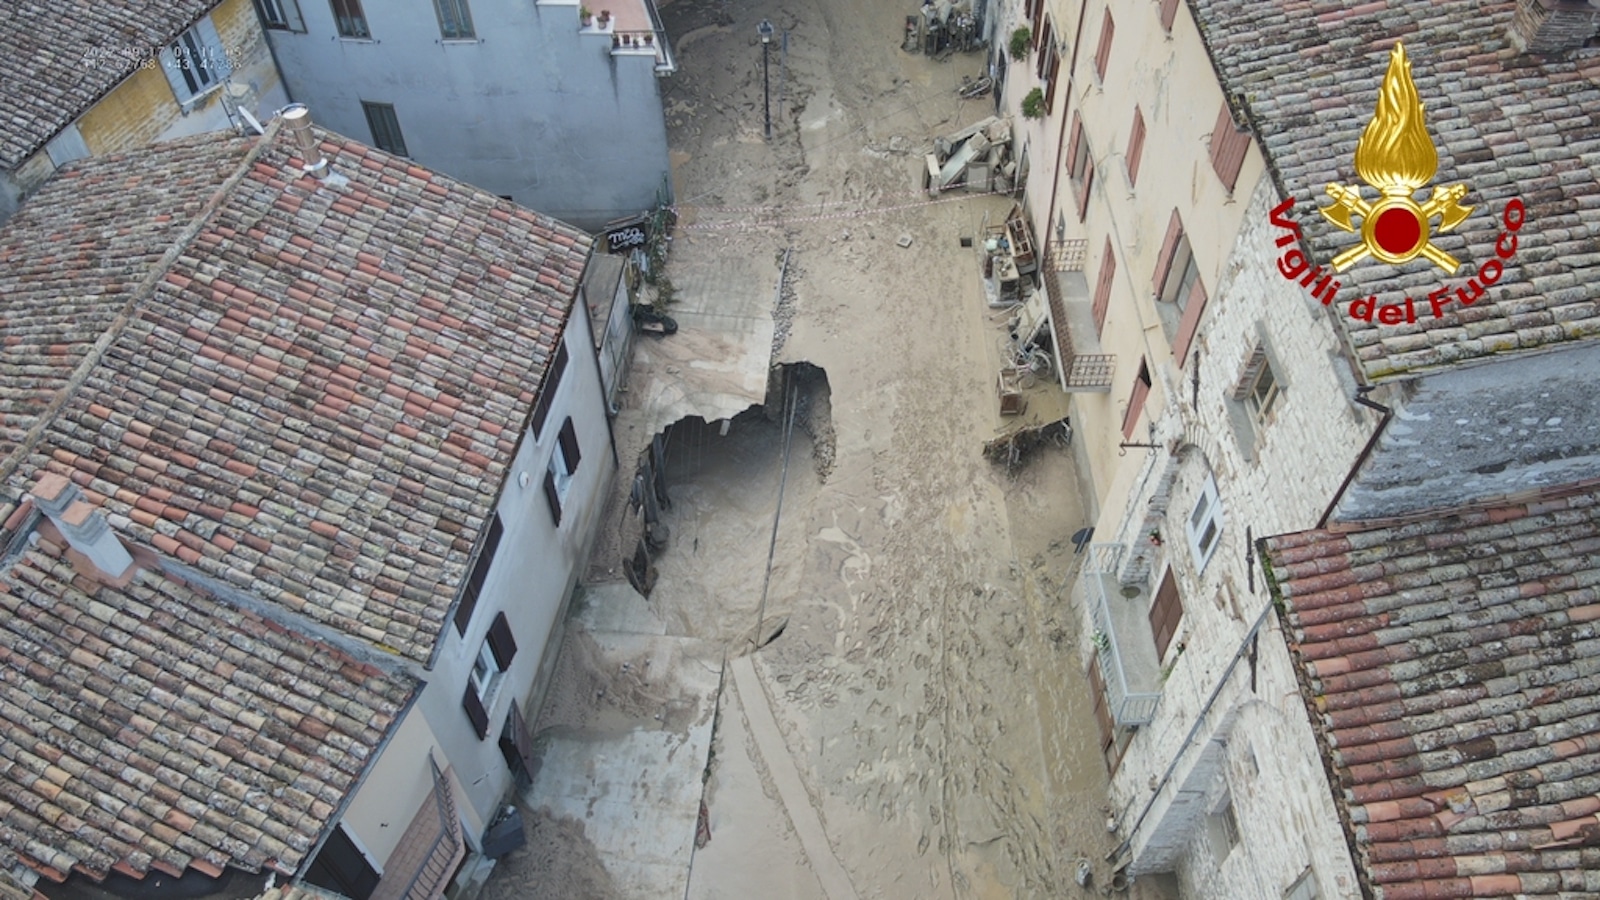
(1547, 26)
(1276, 479)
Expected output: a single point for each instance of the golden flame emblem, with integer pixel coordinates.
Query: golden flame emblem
(1396, 156)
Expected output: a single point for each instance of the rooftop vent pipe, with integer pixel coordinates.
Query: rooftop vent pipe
(297, 119)
(81, 524)
(1554, 26)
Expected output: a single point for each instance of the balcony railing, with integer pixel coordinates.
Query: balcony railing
(1128, 666)
(1083, 368)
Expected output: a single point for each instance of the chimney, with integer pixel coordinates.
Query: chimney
(81, 524)
(1554, 26)
(297, 121)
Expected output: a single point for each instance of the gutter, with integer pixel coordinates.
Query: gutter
(1366, 451)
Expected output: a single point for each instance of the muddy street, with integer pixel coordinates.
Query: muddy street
(922, 726)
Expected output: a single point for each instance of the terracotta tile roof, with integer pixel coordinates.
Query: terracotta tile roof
(59, 57)
(1452, 672)
(1507, 125)
(153, 728)
(320, 386)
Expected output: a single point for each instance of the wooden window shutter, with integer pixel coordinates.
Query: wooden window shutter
(1102, 290)
(475, 711)
(1072, 146)
(569, 446)
(1041, 39)
(1054, 76)
(1190, 322)
(547, 392)
(1083, 195)
(1169, 245)
(1228, 146)
(552, 495)
(1141, 390)
(1035, 8)
(1102, 55)
(1135, 145)
(1166, 611)
(479, 574)
(501, 643)
(1169, 14)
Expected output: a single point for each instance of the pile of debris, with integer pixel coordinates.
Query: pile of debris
(977, 157)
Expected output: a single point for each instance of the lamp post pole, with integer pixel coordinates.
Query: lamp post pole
(765, 30)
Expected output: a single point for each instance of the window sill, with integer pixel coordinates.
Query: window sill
(448, 42)
(196, 101)
(355, 40)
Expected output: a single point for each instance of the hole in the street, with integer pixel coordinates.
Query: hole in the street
(708, 538)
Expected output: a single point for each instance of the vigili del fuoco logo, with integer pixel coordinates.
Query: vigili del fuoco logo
(1396, 158)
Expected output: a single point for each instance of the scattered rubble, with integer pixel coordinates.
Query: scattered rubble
(977, 157)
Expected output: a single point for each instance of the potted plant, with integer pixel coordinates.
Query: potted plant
(605, 17)
(1021, 39)
(585, 16)
(649, 38)
(1033, 104)
(1155, 536)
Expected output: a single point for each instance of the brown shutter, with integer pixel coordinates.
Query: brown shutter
(1041, 39)
(1083, 195)
(552, 496)
(501, 643)
(1190, 322)
(1102, 290)
(1072, 146)
(1141, 390)
(1169, 14)
(1166, 611)
(1135, 145)
(1169, 245)
(1053, 75)
(547, 392)
(1102, 55)
(569, 446)
(1228, 146)
(475, 711)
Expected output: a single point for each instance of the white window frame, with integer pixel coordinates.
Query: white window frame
(1204, 524)
(461, 12)
(203, 67)
(1260, 401)
(281, 15)
(485, 673)
(1304, 887)
(562, 470)
(1223, 827)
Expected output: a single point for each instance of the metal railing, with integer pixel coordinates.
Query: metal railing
(1127, 707)
(1080, 371)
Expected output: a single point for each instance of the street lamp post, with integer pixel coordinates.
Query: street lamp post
(765, 30)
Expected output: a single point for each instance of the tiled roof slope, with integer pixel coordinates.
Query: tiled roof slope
(153, 728)
(59, 57)
(1507, 125)
(1452, 672)
(319, 396)
(66, 280)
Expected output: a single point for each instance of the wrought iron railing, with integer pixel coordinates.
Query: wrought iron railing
(1080, 371)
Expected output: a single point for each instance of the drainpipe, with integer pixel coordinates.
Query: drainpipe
(1350, 476)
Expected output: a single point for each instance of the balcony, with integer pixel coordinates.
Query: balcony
(1127, 652)
(635, 29)
(1084, 369)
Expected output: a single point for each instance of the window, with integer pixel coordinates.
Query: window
(385, 128)
(1102, 288)
(283, 15)
(480, 574)
(350, 20)
(1263, 392)
(563, 465)
(1135, 146)
(196, 62)
(1205, 524)
(341, 867)
(1080, 167)
(1222, 830)
(455, 20)
(494, 658)
(1102, 54)
(1181, 294)
(547, 393)
(1141, 390)
(1049, 66)
(1169, 13)
(1166, 611)
(1035, 9)
(1228, 146)
(1304, 887)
